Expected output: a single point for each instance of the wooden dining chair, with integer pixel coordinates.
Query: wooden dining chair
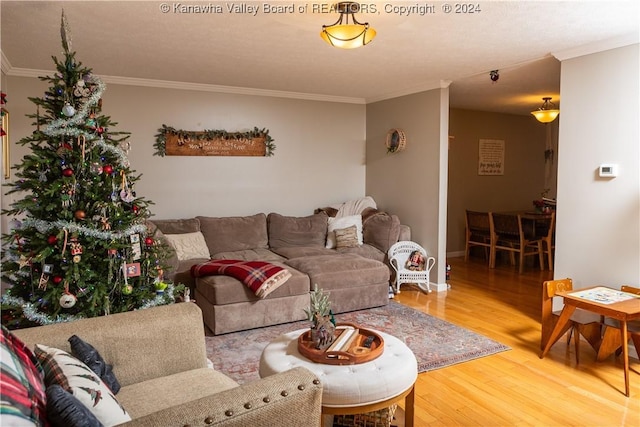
(611, 338)
(582, 323)
(478, 232)
(546, 229)
(510, 234)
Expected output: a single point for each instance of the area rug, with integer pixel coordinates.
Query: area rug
(435, 342)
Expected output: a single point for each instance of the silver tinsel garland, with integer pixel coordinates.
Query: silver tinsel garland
(62, 126)
(44, 226)
(31, 312)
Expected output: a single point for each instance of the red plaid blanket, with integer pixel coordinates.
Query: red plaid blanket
(259, 276)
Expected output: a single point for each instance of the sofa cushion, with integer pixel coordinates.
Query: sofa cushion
(234, 233)
(153, 395)
(258, 254)
(366, 251)
(74, 376)
(188, 245)
(259, 276)
(87, 354)
(341, 223)
(344, 271)
(302, 251)
(21, 384)
(177, 226)
(381, 230)
(220, 290)
(297, 231)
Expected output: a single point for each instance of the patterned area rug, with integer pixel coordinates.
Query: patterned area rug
(435, 342)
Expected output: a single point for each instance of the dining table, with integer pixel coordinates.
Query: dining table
(603, 300)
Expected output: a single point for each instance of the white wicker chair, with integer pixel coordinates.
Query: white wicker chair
(399, 254)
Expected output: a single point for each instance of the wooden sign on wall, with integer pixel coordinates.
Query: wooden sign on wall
(173, 142)
(185, 146)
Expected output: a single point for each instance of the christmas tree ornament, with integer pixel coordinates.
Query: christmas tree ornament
(56, 280)
(104, 223)
(127, 290)
(67, 193)
(42, 283)
(80, 214)
(68, 300)
(136, 249)
(148, 241)
(67, 171)
(95, 168)
(108, 169)
(75, 247)
(68, 110)
(52, 239)
(125, 191)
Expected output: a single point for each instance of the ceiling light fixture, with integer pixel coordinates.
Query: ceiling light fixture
(494, 75)
(547, 112)
(347, 35)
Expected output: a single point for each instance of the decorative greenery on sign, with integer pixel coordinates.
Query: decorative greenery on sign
(212, 135)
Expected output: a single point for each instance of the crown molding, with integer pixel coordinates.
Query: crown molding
(599, 46)
(200, 87)
(440, 84)
(5, 66)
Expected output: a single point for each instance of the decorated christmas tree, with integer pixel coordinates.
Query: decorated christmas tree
(79, 246)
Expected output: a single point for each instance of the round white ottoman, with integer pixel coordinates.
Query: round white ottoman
(351, 389)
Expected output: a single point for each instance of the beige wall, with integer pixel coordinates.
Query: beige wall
(319, 158)
(524, 167)
(598, 233)
(408, 183)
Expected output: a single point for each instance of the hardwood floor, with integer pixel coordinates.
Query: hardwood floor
(516, 387)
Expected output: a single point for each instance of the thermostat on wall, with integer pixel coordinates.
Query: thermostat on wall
(608, 171)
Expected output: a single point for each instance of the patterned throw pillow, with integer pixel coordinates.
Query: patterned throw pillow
(75, 377)
(346, 237)
(64, 410)
(90, 356)
(21, 384)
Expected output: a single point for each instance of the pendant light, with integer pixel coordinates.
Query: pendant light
(547, 112)
(345, 34)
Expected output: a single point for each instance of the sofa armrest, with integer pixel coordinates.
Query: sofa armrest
(288, 399)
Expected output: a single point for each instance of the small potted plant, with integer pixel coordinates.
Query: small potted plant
(322, 322)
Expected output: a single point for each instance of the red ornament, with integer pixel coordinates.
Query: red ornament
(108, 169)
(57, 279)
(148, 241)
(67, 172)
(135, 209)
(52, 240)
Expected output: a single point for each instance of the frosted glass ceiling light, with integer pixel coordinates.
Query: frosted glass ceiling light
(347, 35)
(547, 112)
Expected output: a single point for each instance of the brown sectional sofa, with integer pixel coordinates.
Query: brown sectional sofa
(356, 277)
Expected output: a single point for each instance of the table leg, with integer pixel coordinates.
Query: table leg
(564, 318)
(409, 401)
(625, 355)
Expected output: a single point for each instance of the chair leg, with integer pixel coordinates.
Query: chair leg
(576, 341)
(549, 256)
(540, 255)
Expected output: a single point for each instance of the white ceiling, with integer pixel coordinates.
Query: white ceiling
(283, 54)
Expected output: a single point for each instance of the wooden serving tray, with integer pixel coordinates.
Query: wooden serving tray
(353, 355)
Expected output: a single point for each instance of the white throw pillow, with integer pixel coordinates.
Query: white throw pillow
(343, 222)
(189, 245)
(74, 376)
